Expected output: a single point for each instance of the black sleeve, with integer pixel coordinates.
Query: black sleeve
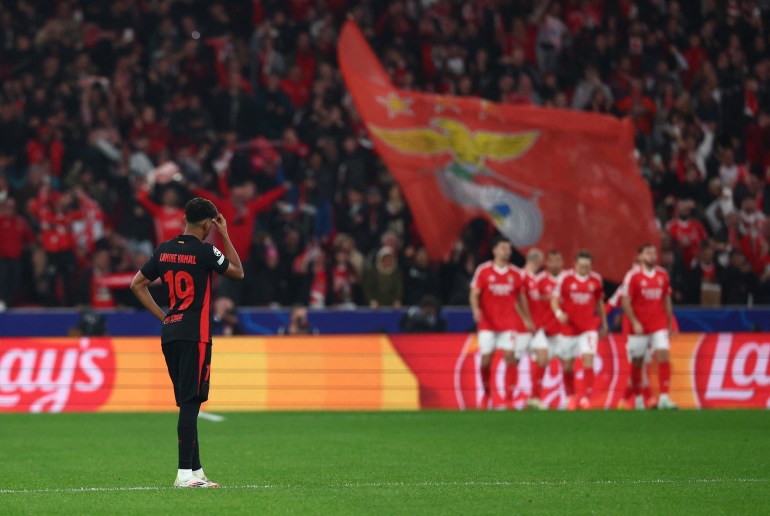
(150, 269)
(214, 259)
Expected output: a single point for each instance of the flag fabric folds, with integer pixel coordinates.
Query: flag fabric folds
(545, 177)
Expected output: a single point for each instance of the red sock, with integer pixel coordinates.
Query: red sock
(629, 391)
(588, 381)
(647, 392)
(511, 378)
(538, 372)
(485, 374)
(569, 382)
(636, 379)
(664, 375)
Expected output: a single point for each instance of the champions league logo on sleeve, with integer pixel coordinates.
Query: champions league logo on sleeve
(218, 254)
(512, 207)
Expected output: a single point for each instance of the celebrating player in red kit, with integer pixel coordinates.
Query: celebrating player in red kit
(647, 304)
(497, 296)
(526, 342)
(578, 303)
(548, 327)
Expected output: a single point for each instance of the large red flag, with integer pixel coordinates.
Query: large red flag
(545, 177)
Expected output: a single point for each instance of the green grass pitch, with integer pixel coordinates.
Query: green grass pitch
(708, 462)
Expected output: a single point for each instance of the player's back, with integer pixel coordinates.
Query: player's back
(185, 265)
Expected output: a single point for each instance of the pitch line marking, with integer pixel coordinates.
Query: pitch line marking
(216, 418)
(409, 484)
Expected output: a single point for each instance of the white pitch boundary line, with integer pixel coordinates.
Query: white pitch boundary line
(216, 418)
(411, 484)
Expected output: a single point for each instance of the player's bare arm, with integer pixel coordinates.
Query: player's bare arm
(522, 307)
(139, 286)
(474, 302)
(235, 268)
(605, 329)
(625, 302)
(560, 314)
(668, 307)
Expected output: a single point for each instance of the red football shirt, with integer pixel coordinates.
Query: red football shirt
(546, 284)
(533, 300)
(16, 234)
(688, 234)
(499, 288)
(577, 298)
(646, 291)
(169, 222)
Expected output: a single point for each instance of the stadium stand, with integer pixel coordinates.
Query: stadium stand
(113, 114)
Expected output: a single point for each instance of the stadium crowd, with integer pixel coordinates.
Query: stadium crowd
(113, 114)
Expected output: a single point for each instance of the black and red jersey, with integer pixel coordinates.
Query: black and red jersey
(185, 265)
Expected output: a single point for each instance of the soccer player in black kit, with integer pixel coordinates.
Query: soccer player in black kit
(185, 265)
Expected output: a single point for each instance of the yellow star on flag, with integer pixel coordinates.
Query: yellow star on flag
(396, 105)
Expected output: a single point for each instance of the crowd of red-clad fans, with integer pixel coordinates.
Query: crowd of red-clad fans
(113, 114)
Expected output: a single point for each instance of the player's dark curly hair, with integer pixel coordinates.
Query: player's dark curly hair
(199, 209)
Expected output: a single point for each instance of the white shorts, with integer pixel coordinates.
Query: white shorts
(489, 341)
(525, 343)
(638, 345)
(571, 347)
(542, 341)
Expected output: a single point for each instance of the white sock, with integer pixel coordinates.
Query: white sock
(184, 473)
(198, 472)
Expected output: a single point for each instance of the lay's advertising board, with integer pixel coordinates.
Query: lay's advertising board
(371, 372)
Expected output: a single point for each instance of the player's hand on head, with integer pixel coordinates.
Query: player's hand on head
(220, 223)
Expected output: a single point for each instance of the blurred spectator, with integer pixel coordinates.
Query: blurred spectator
(704, 278)
(345, 288)
(738, 282)
(90, 324)
(168, 215)
(261, 281)
(383, 284)
(224, 319)
(298, 323)
(239, 205)
(676, 274)
(687, 233)
(16, 236)
(457, 274)
(421, 278)
(423, 318)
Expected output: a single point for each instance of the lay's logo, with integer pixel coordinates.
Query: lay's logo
(55, 376)
(732, 370)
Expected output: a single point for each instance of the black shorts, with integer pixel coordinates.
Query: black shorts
(189, 366)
